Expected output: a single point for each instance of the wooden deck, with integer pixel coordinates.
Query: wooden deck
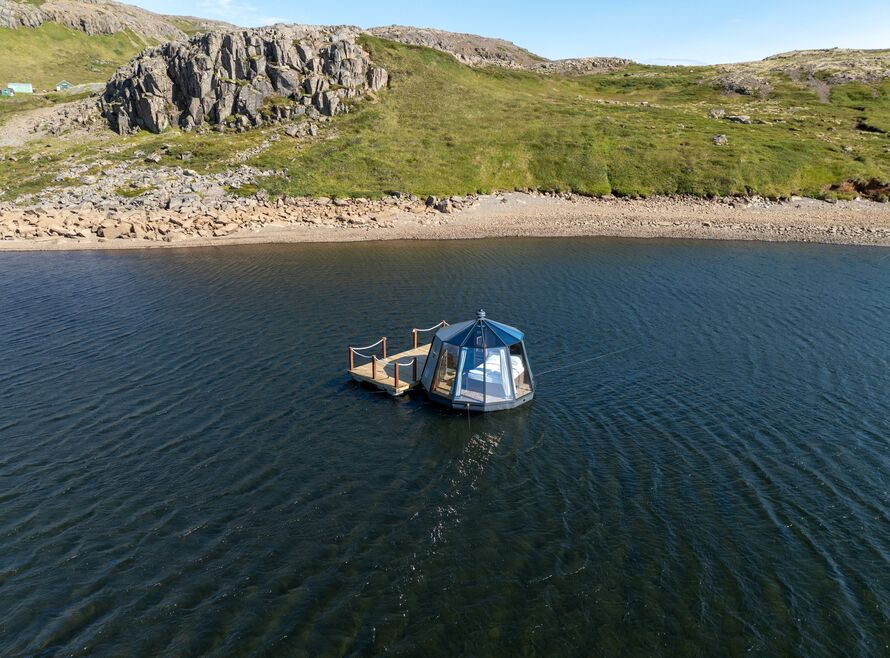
(382, 374)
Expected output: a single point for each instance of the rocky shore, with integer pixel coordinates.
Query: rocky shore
(404, 216)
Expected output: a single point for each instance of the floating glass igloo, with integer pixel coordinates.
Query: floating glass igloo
(479, 364)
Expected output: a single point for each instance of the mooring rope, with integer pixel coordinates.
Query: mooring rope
(578, 363)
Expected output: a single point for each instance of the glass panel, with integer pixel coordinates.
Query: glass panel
(498, 383)
(470, 382)
(485, 375)
(443, 381)
(521, 380)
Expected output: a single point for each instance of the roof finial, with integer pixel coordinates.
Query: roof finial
(480, 314)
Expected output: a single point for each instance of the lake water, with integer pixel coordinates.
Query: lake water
(185, 468)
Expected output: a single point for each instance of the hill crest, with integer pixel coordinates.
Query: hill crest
(98, 17)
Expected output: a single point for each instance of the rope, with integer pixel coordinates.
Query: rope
(405, 365)
(433, 327)
(367, 347)
(578, 363)
(366, 356)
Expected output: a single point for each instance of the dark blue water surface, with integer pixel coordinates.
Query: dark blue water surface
(185, 468)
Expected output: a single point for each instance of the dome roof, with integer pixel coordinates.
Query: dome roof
(480, 332)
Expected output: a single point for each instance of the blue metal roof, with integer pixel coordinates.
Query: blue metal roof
(492, 334)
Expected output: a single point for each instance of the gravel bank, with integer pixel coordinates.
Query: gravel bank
(502, 215)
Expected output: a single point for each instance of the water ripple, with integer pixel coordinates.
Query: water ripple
(184, 469)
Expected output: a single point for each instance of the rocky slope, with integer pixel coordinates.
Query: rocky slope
(582, 65)
(836, 65)
(820, 69)
(228, 78)
(473, 50)
(100, 17)
(469, 49)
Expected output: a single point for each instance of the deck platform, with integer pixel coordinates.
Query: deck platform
(382, 373)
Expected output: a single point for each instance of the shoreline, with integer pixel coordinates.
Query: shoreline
(514, 214)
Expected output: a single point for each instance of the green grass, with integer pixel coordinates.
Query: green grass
(52, 52)
(187, 26)
(132, 192)
(444, 128)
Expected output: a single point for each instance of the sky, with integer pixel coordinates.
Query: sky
(679, 31)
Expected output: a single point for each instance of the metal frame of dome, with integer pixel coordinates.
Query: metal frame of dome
(483, 334)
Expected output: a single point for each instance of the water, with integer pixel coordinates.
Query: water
(184, 468)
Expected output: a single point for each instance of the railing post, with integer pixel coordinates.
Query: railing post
(384, 347)
(374, 367)
(397, 377)
(414, 370)
(414, 331)
(351, 359)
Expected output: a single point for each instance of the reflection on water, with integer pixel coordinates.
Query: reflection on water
(185, 469)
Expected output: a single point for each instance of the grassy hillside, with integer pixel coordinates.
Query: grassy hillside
(51, 53)
(444, 128)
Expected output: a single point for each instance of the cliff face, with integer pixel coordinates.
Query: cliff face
(225, 78)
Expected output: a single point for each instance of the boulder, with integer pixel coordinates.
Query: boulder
(300, 129)
(739, 119)
(720, 140)
(114, 232)
(285, 81)
(738, 82)
(330, 103)
(377, 78)
(250, 101)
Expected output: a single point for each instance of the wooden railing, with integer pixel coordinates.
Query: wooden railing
(412, 363)
(421, 331)
(357, 351)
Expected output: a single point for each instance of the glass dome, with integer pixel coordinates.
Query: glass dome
(479, 364)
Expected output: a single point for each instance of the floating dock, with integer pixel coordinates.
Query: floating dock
(395, 374)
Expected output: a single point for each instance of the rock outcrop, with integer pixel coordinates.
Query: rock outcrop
(241, 79)
(99, 17)
(738, 82)
(582, 65)
(819, 69)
